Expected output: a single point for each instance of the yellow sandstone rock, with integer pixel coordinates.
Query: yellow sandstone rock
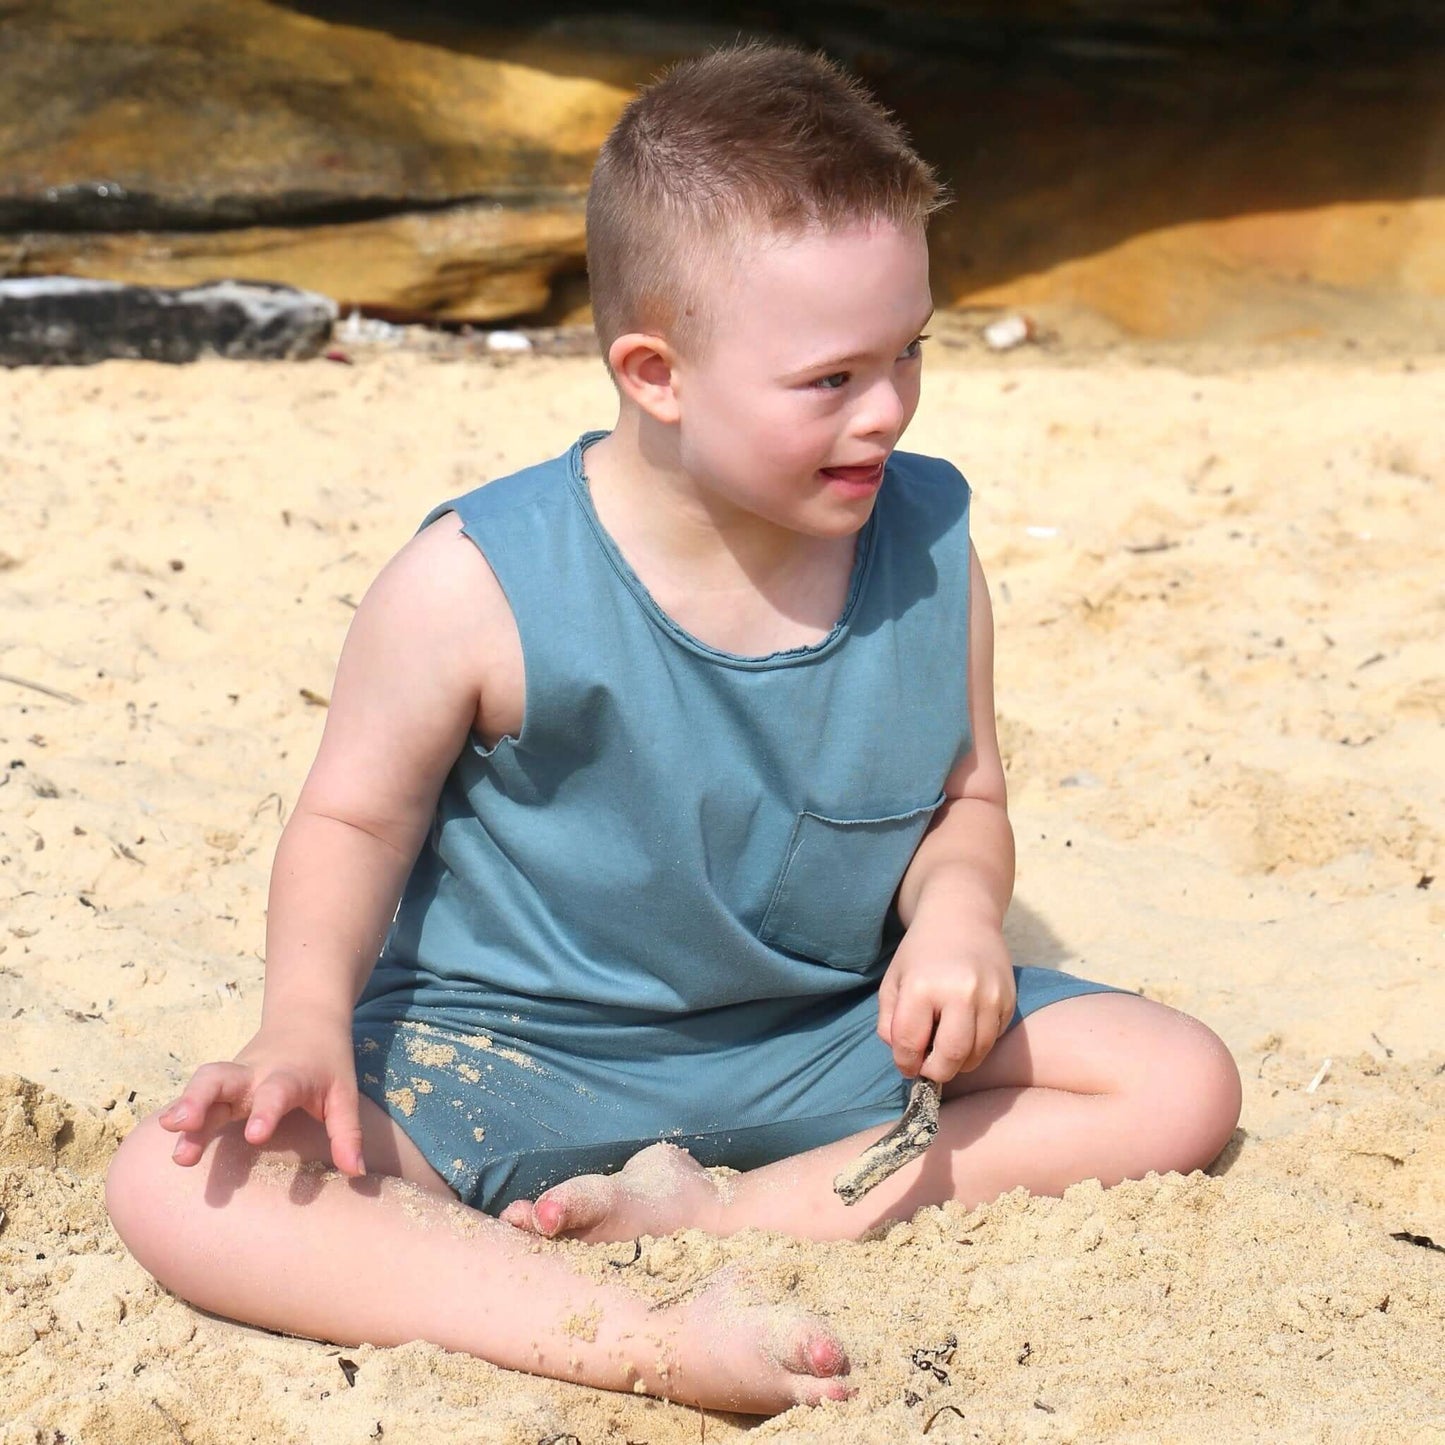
(185, 140)
(1190, 174)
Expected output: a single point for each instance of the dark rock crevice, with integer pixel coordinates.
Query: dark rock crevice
(107, 205)
(1345, 32)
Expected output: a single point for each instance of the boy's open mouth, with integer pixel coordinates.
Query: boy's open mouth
(860, 479)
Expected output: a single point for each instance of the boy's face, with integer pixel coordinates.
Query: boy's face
(807, 377)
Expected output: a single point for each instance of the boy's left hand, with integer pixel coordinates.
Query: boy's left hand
(946, 998)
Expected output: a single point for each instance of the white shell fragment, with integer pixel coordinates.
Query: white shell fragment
(508, 341)
(1008, 332)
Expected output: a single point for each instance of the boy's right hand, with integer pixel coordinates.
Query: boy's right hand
(281, 1069)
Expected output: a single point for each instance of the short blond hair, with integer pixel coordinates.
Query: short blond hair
(751, 139)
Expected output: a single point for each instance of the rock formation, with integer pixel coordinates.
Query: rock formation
(177, 141)
(1175, 167)
(65, 321)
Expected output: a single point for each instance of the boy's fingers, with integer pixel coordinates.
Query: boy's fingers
(210, 1083)
(991, 1028)
(188, 1150)
(271, 1102)
(954, 1044)
(885, 1022)
(343, 1129)
(887, 1000)
(983, 1042)
(912, 1029)
(192, 1143)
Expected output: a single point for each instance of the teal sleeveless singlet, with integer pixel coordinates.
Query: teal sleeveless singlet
(663, 909)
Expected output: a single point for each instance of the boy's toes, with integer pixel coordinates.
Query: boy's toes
(660, 1189)
(814, 1392)
(578, 1205)
(823, 1354)
(760, 1358)
(812, 1359)
(519, 1215)
(805, 1345)
(571, 1208)
(818, 1364)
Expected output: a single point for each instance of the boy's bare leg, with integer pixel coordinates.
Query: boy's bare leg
(276, 1238)
(1103, 1086)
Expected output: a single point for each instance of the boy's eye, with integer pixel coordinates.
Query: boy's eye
(914, 349)
(836, 382)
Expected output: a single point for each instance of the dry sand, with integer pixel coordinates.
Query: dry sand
(1219, 590)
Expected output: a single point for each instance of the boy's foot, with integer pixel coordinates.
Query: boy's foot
(659, 1190)
(757, 1359)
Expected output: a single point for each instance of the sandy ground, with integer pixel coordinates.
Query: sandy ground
(1219, 591)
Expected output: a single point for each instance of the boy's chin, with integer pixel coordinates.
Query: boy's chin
(836, 522)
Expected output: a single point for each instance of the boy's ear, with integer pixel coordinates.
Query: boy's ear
(643, 367)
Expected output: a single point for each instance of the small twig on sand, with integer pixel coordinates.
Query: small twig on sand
(942, 1410)
(1319, 1078)
(906, 1140)
(54, 692)
(172, 1422)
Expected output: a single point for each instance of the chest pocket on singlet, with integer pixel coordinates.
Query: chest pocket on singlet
(837, 883)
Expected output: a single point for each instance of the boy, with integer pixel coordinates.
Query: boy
(679, 754)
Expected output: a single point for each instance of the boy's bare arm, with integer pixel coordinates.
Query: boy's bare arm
(949, 991)
(407, 691)
(968, 851)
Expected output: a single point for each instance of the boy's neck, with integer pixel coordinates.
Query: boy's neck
(646, 500)
(730, 577)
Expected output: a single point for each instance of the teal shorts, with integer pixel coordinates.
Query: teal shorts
(503, 1111)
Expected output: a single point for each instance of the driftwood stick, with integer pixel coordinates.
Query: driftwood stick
(906, 1140)
(38, 687)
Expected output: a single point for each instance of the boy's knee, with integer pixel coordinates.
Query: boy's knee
(1199, 1098)
(133, 1181)
(147, 1192)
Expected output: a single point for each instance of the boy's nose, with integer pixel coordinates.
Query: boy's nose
(882, 412)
